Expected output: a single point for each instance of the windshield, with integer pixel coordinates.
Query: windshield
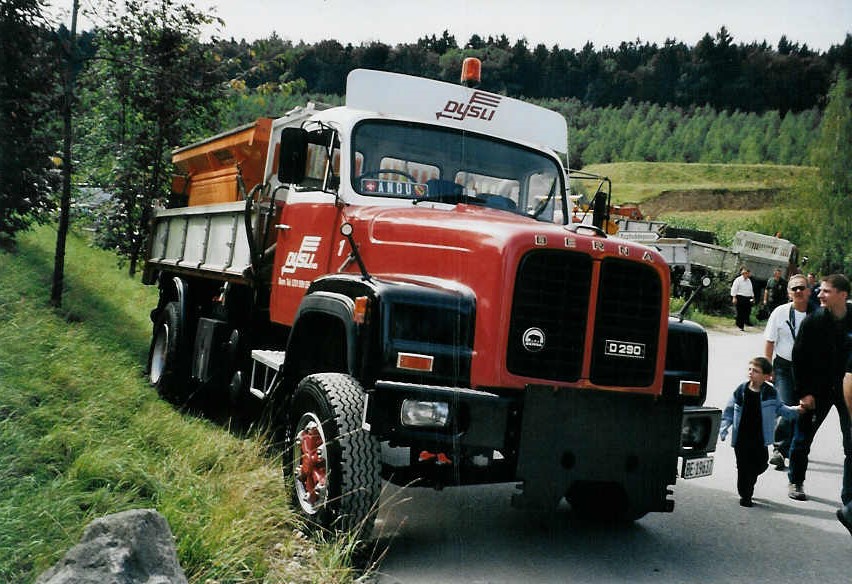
(412, 161)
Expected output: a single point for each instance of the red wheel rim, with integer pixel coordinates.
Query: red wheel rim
(309, 464)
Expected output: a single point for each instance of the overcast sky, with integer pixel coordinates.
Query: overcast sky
(568, 23)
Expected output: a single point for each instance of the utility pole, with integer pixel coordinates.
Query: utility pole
(64, 209)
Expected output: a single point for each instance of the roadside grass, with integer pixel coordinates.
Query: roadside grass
(634, 182)
(82, 435)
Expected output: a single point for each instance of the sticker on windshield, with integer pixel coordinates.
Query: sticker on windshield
(373, 186)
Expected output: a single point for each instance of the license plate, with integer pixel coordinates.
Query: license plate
(697, 467)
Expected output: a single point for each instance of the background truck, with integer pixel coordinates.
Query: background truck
(388, 278)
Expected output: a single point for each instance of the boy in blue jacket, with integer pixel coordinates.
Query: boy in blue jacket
(752, 411)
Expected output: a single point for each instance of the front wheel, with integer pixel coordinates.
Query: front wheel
(335, 464)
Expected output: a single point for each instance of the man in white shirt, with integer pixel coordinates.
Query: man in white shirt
(742, 295)
(780, 335)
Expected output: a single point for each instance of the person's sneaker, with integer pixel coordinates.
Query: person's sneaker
(841, 517)
(777, 460)
(797, 492)
(749, 503)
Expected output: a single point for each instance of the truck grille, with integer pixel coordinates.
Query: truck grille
(552, 294)
(627, 328)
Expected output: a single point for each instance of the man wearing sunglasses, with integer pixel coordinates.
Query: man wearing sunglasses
(820, 356)
(780, 334)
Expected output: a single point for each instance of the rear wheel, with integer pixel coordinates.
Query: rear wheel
(167, 359)
(334, 462)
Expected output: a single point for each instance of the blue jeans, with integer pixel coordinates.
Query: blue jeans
(785, 386)
(803, 435)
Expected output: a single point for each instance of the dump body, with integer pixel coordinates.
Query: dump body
(687, 253)
(764, 253)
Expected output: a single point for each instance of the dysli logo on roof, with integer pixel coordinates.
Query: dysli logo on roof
(481, 105)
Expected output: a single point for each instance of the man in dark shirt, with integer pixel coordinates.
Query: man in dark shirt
(820, 355)
(775, 293)
(845, 514)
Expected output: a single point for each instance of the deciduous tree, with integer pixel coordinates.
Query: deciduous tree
(29, 135)
(152, 85)
(831, 201)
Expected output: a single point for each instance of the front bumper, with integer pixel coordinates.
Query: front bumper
(555, 438)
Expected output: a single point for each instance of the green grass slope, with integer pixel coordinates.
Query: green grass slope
(636, 182)
(82, 435)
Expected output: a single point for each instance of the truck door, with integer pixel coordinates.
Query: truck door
(307, 228)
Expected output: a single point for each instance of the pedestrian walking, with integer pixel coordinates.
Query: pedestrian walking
(751, 412)
(820, 356)
(775, 292)
(742, 296)
(779, 335)
(813, 284)
(844, 515)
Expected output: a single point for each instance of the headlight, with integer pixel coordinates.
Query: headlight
(424, 413)
(694, 433)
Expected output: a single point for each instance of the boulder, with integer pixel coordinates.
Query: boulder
(132, 547)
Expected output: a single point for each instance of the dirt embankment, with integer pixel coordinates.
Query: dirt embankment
(709, 200)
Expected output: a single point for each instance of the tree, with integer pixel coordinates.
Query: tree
(67, 168)
(28, 104)
(832, 197)
(153, 84)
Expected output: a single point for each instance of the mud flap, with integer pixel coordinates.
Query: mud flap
(584, 439)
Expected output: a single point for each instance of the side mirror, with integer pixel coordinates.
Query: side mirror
(293, 155)
(600, 212)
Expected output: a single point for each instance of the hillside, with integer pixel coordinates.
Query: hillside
(83, 435)
(662, 187)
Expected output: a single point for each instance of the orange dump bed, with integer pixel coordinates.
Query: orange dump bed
(207, 170)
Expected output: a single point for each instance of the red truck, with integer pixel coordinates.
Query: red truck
(395, 280)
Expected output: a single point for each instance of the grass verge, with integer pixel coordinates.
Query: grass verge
(82, 435)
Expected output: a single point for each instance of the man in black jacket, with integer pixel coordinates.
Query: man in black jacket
(844, 515)
(820, 355)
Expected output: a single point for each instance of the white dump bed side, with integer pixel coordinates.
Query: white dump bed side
(762, 254)
(687, 253)
(208, 239)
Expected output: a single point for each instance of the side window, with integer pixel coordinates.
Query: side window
(542, 196)
(316, 162)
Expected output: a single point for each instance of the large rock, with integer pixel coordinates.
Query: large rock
(132, 547)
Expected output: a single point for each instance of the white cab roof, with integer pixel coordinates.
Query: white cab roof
(455, 106)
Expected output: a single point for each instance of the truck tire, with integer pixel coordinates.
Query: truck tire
(334, 463)
(167, 359)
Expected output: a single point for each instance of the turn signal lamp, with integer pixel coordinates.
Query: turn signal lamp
(359, 315)
(418, 413)
(690, 388)
(471, 73)
(414, 362)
